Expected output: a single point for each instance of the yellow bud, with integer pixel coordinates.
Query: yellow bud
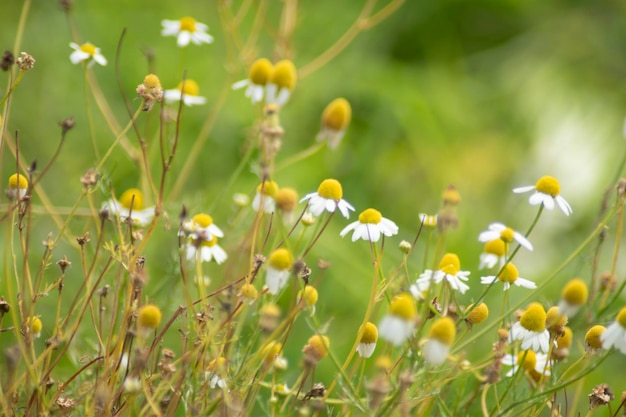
(149, 316)
(337, 115)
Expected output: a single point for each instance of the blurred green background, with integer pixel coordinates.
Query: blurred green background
(485, 95)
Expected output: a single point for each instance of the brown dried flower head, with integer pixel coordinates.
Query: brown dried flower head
(25, 62)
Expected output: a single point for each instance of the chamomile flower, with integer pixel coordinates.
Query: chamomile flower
(206, 250)
(509, 275)
(615, 334)
(186, 30)
(547, 191)
(258, 77)
(428, 220)
(316, 349)
(370, 226)
(573, 296)
(271, 352)
(265, 197)
(189, 91)
(33, 326)
(593, 339)
(450, 270)
(531, 329)
(493, 254)
(477, 314)
(367, 344)
(399, 323)
(506, 234)
(281, 83)
(18, 186)
(335, 120)
(328, 198)
(216, 373)
(148, 319)
(279, 266)
(307, 298)
(86, 52)
(440, 337)
(287, 201)
(536, 364)
(201, 226)
(131, 202)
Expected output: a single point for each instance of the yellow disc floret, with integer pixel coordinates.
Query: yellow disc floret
(188, 24)
(451, 196)
(189, 87)
(592, 337)
(317, 347)
(370, 333)
(210, 243)
(450, 264)
(565, 340)
(621, 317)
(548, 185)
(89, 48)
(337, 115)
(478, 314)
(331, 189)
(286, 199)
(149, 316)
(152, 81)
(18, 181)
(132, 196)
(509, 273)
(527, 360)
(203, 220)
(34, 325)
(248, 291)
(443, 330)
(403, 306)
(575, 292)
(370, 216)
(507, 235)
(555, 319)
(271, 351)
(261, 71)
(534, 318)
(269, 188)
(281, 259)
(495, 247)
(284, 75)
(308, 296)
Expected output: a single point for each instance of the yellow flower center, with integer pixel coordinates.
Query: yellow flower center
(428, 220)
(309, 295)
(286, 199)
(281, 259)
(370, 216)
(149, 316)
(548, 185)
(403, 306)
(248, 291)
(269, 188)
(188, 24)
(34, 324)
(509, 273)
(152, 81)
(14, 183)
(337, 114)
(330, 189)
(575, 292)
(216, 365)
(527, 360)
(317, 346)
(284, 75)
(592, 338)
(261, 71)
(507, 235)
(132, 196)
(534, 318)
(370, 333)
(443, 330)
(450, 264)
(210, 243)
(495, 247)
(271, 351)
(554, 318)
(270, 310)
(565, 340)
(478, 314)
(89, 48)
(189, 87)
(451, 196)
(203, 220)
(621, 317)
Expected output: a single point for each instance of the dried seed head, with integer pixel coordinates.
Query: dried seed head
(25, 62)
(316, 349)
(7, 60)
(600, 395)
(64, 264)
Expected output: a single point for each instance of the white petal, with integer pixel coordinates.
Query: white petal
(523, 189)
(240, 84)
(348, 228)
(100, 59)
(521, 239)
(521, 282)
(78, 56)
(488, 235)
(497, 227)
(488, 280)
(536, 198)
(564, 205)
(183, 38)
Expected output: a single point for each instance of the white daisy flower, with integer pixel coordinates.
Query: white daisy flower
(278, 270)
(367, 344)
(531, 329)
(188, 90)
(450, 270)
(216, 373)
(440, 337)
(370, 226)
(508, 235)
(547, 191)
(493, 254)
(615, 333)
(206, 249)
(536, 364)
(265, 197)
(509, 275)
(201, 226)
(335, 120)
(260, 74)
(186, 30)
(428, 220)
(398, 325)
(139, 215)
(328, 198)
(281, 83)
(86, 52)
